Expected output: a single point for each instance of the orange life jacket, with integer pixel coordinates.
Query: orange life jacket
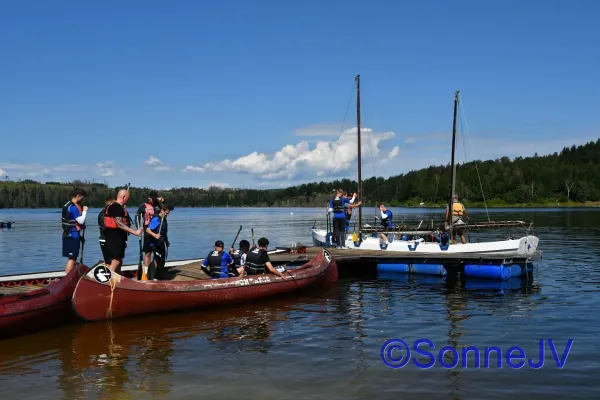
(458, 209)
(111, 222)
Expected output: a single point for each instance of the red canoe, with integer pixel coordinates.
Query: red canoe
(103, 294)
(32, 311)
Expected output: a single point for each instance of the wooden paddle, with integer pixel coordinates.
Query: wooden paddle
(82, 240)
(141, 274)
(236, 236)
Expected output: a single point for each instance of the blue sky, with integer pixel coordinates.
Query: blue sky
(240, 93)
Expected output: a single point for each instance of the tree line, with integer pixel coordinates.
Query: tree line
(572, 175)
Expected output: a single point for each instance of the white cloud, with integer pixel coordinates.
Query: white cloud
(39, 171)
(319, 130)
(3, 173)
(157, 165)
(301, 159)
(393, 154)
(410, 140)
(153, 161)
(221, 185)
(106, 168)
(191, 168)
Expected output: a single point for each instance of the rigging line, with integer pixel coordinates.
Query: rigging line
(342, 128)
(463, 114)
(372, 157)
(339, 137)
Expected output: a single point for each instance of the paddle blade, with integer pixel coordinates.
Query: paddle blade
(144, 273)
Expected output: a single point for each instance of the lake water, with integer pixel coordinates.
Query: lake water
(324, 344)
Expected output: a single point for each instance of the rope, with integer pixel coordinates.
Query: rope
(337, 141)
(372, 158)
(113, 284)
(463, 113)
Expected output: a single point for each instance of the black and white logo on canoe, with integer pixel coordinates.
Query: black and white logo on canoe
(327, 256)
(102, 274)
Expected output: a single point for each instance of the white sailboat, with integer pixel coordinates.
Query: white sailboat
(370, 239)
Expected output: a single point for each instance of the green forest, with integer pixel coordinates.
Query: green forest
(571, 177)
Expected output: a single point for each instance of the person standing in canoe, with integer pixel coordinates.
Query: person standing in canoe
(145, 213)
(258, 261)
(217, 263)
(117, 224)
(239, 258)
(157, 231)
(107, 202)
(73, 224)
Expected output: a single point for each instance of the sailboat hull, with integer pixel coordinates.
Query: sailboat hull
(523, 247)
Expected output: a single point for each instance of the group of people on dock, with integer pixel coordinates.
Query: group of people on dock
(115, 225)
(342, 204)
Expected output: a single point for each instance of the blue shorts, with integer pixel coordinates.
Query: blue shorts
(70, 247)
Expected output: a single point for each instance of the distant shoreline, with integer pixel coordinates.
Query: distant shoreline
(594, 204)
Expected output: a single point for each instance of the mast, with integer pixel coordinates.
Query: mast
(359, 190)
(453, 164)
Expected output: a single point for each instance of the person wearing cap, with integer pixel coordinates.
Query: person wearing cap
(217, 263)
(239, 257)
(158, 232)
(144, 213)
(459, 213)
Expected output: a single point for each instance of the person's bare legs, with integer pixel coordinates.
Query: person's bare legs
(115, 265)
(70, 265)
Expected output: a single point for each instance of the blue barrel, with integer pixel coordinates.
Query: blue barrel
(488, 271)
(516, 270)
(428, 269)
(488, 284)
(394, 267)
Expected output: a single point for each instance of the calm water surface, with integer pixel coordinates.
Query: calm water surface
(324, 344)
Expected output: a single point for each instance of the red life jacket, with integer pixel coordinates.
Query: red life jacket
(111, 222)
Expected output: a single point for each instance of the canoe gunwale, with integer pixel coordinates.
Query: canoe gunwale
(200, 285)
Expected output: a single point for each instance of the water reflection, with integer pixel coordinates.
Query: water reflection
(463, 298)
(334, 338)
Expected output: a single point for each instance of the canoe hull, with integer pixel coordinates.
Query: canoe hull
(117, 296)
(39, 309)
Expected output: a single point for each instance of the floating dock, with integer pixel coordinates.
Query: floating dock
(354, 262)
